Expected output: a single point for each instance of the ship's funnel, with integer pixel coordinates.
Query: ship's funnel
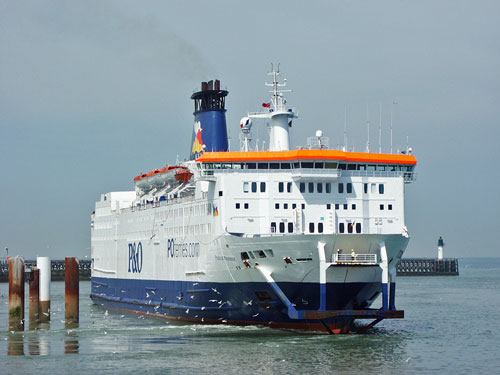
(210, 130)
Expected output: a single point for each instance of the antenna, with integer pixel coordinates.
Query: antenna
(392, 109)
(368, 129)
(380, 131)
(345, 128)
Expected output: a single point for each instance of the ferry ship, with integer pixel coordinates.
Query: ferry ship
(304, 238)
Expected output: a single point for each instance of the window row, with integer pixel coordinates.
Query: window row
(252, 186)
(256, 254)
(310, 165)
(318, 187)
(282, 226)
(373, 188)
(350, 227)
(312, 227)
(245, 206)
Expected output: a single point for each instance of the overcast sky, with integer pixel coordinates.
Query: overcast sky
(92, 93)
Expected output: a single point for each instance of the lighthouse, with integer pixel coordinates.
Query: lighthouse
(440, 247)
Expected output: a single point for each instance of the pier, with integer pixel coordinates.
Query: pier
(427, 267)
(58, 268)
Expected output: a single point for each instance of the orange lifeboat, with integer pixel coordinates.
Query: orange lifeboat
(183, 175)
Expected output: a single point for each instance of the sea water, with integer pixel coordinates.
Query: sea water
(451, 325)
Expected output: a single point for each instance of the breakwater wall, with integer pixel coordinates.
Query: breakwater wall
(58, 268)
(427, 267)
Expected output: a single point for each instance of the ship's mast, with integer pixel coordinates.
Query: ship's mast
(279, 114)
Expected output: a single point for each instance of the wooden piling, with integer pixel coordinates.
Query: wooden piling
(34, 313)
(72, 291)
(16, 294)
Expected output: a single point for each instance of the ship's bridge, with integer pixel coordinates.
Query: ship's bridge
(309, 164)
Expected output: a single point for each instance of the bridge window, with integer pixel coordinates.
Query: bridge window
(341, 187)
(318, 165)
(251, 165)
(285, 165)
(381, 188)
(341, 228)
(281, 187)
(311, 227)
(330, 165)
(342, 167)
(302, 187)
(262, 187)
(328, 187)
(358, 227)
(254, 187)
(349, 188)
(289, 187)
(246, 187)
(351, 167)
(262, 165)
(320, 227)
(311, 187)
(274, 165)
(306, 164)
(296, 165)
(282, 227)
(319, 187)
(290, 227)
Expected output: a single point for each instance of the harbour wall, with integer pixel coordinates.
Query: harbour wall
(58, 269)
(427, 267)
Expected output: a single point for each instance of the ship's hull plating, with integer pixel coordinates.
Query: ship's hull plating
(204, 302)
(245, 297)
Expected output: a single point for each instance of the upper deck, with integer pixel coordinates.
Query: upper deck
(310, 164)
(297, 155)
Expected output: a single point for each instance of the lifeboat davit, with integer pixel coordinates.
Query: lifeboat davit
(183, 175)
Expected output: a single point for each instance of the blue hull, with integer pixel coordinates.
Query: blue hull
(233, 303)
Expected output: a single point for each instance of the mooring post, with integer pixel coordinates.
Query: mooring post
(16, 294)
(72, 290)
(43, 264)
(34, 298)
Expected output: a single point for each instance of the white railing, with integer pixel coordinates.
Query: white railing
(355, 258)
(408, 176)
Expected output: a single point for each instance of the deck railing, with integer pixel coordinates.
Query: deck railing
(355, 259)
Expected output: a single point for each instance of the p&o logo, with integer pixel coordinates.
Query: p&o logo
(134, 257)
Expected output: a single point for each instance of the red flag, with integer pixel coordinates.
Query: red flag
(266, 105)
